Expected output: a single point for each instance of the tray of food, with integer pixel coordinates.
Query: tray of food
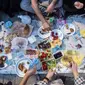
(32, 53)
(47, 65)
(44, 45)
(44, 56)
(47, 60)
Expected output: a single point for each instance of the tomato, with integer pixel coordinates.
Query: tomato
(44, 66)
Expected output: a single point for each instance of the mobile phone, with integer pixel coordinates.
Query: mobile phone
(58, 55)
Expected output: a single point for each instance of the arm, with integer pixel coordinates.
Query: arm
(46, 26)
(27, 76)
(47, 78)
(37, 10)
(78, 80)
(51, 6)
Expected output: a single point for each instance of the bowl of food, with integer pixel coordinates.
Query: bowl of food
(22, 66)
(22, 30)
(56, 34)
(56, 38)
(27, 30)
(68, 29)
(43, 34)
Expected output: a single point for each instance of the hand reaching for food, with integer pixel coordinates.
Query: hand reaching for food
(46, 27)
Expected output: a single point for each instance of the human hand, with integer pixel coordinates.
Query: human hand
(46, 27)
(29, 73)
(78, 5)
(32, 71)
(74, 70)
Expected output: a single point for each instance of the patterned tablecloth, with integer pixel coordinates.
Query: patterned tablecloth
(69, 44)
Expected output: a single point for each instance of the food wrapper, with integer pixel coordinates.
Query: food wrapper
(19, 43)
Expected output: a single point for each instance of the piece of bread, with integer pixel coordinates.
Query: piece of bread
(26, 30)
(22, 68)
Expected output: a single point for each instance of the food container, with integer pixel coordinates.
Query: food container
(44, 45)
(47, 60)
(19, 43)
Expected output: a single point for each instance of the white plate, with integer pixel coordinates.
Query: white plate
(60, 34)
(66, 31)
(23, 60)
(46, 35)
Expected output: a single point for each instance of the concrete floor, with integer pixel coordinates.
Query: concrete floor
(16, 80)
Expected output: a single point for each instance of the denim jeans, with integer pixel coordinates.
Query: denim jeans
(26, 5)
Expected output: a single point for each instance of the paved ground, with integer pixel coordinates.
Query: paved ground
(16, 80)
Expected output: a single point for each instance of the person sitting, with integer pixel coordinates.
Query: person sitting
(40, 7)
(77, 79)
(74, 7)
